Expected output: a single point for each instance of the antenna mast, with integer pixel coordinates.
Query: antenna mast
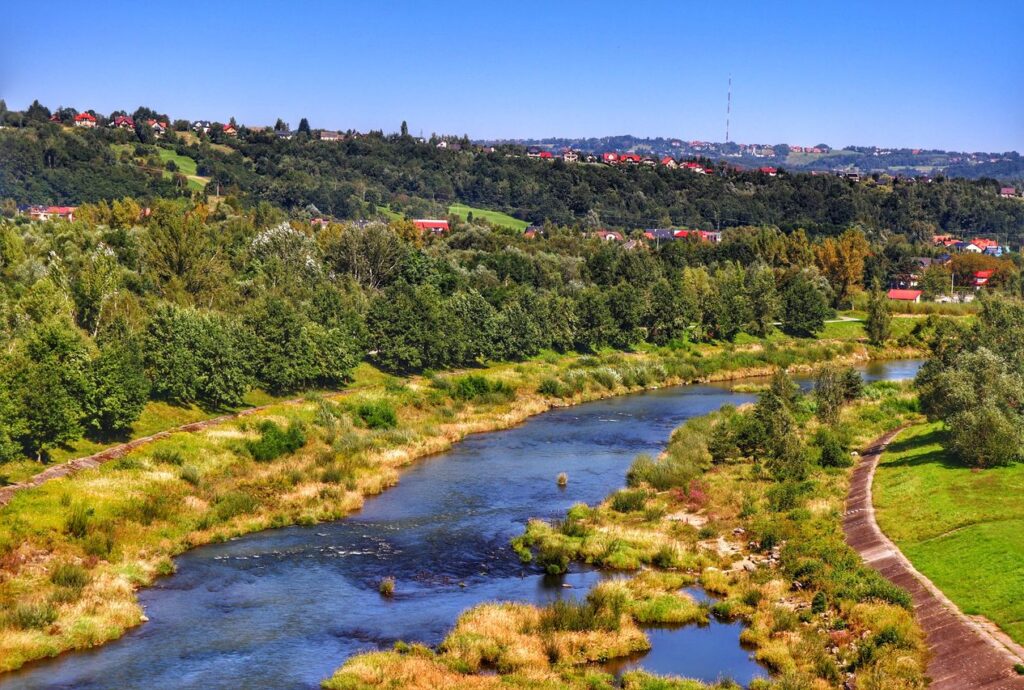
(728, 109)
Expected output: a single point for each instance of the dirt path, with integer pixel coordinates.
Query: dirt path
(114, 452)
(965, 654)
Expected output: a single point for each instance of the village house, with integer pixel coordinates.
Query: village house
(659, 235)
(159, 128)
(570, 156)
(630, 158)
(533, 152)
(230, 130)
(610, 158)
(693, 166)
(768, 170)
(123, 122)
(44, 213)
(905, 295)
(436, 227)
(329, 135)
(669, 162)
(1008, 192)
(86, 120)
(285, 134)
(980, 279)
(202, 126)
(607, 235)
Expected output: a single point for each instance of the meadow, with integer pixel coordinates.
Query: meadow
(494, 217)
(962, 528)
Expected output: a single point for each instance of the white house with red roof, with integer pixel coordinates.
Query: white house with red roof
(87, 120)
(231, 130)
(669, 162)
(1008, 192)
(43, 213)
(437, 227)
(768, 170)
(980, 278)
(607, 235)
(123, 122)
(905, 295)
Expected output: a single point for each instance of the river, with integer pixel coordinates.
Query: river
(283, 608)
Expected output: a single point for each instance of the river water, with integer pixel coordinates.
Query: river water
(284, 608)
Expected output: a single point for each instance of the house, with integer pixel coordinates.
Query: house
(905, 295)
(123, 122)
(437, 227)
(669, 162)
(979, 279)
(319, 222)
(649, 162)
(159, 128)
(694, 167)
(533, 152)
(55, 118)
(993, 251)
(545, 155)
(202, 126)
(570, 156)
(968, 247)
(659, 235)
(699, 235)
(329, 135)
(230, 130)
(630, 158)
(607, 235)
(768, 170)
(43, 213)
(285, 134)
(442, 144)
(532, 231)
(86, 120)
(1008, 192)
(610, 158)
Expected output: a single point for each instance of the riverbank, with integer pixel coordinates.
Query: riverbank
(772, 550)
(74, 550)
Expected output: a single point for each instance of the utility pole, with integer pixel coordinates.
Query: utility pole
(728, 109)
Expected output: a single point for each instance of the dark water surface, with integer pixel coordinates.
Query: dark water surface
(284, 608)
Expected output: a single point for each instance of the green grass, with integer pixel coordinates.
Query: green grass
(964, 529)
(388, 213)
(496, 217)
(186, 165)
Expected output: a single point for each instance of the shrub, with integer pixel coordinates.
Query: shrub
(554, 557)
(476, 388)
(377, 414)
(553, 388)
(833, 452)
(77, 522)
(190, 474)
(819, 603)
(563, 479)
(70, 575)
(32, 616)
(628, 501)
(232, 504)
(168, 456)
(386, 587)
(275, 441)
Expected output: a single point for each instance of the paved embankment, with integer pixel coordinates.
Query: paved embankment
(964, 654)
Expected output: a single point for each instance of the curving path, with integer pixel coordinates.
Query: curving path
(965, 655)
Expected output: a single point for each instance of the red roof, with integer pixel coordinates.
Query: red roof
(427, 224)
(82, 117)
(905, 295)
(123, 120)
(768, 170)
(545, 154)
(984, 274)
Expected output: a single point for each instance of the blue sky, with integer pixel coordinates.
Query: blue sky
(919, 74)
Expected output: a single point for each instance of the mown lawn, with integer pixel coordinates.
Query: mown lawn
(962, 528)
(495, 217)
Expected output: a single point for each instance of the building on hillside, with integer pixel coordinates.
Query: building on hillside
(230, 130)
(123, 122)
(905, 295)
(436, 227)
(607, 235)
(570, 156)
(545, 155)
(532, 231)
(768, 170)
(1008, 192)
(44, 213)
(159, 128)
(669, 162)
(693, 166)
(610, 158)
(630, 158)
(285, 134)
(980, 279)
(659, 235)
(87, 120)
(202, 126)
(329, 135)
(533, 152)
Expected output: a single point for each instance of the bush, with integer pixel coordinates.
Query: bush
(275, 441)
(476, 388)
(77, 522)
(190, 474)
(70, 575)
(32, 616)
(377, 414)
(628, 501)
(553, 388)
(168, 456)
(386, 587)
(233, 504)
(833, 452)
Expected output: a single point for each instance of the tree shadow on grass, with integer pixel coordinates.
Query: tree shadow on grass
(939, 456)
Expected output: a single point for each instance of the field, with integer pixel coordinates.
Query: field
(962, 528)
(495, 217)
(186, 166)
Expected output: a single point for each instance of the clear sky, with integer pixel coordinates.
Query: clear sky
(933, 74)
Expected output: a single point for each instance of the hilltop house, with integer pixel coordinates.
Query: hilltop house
(630, 158)
(768, 170)
(85, 120)
(1008, 192)
(159, 128)
(437, 227)
(570, 156)
(329, 135)
(42, 213)
(980, 278)
(659, 235)
(123, 122)
(230, 130)
(610, 158)
(669, 162)
(202, 126)
(607, 235)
